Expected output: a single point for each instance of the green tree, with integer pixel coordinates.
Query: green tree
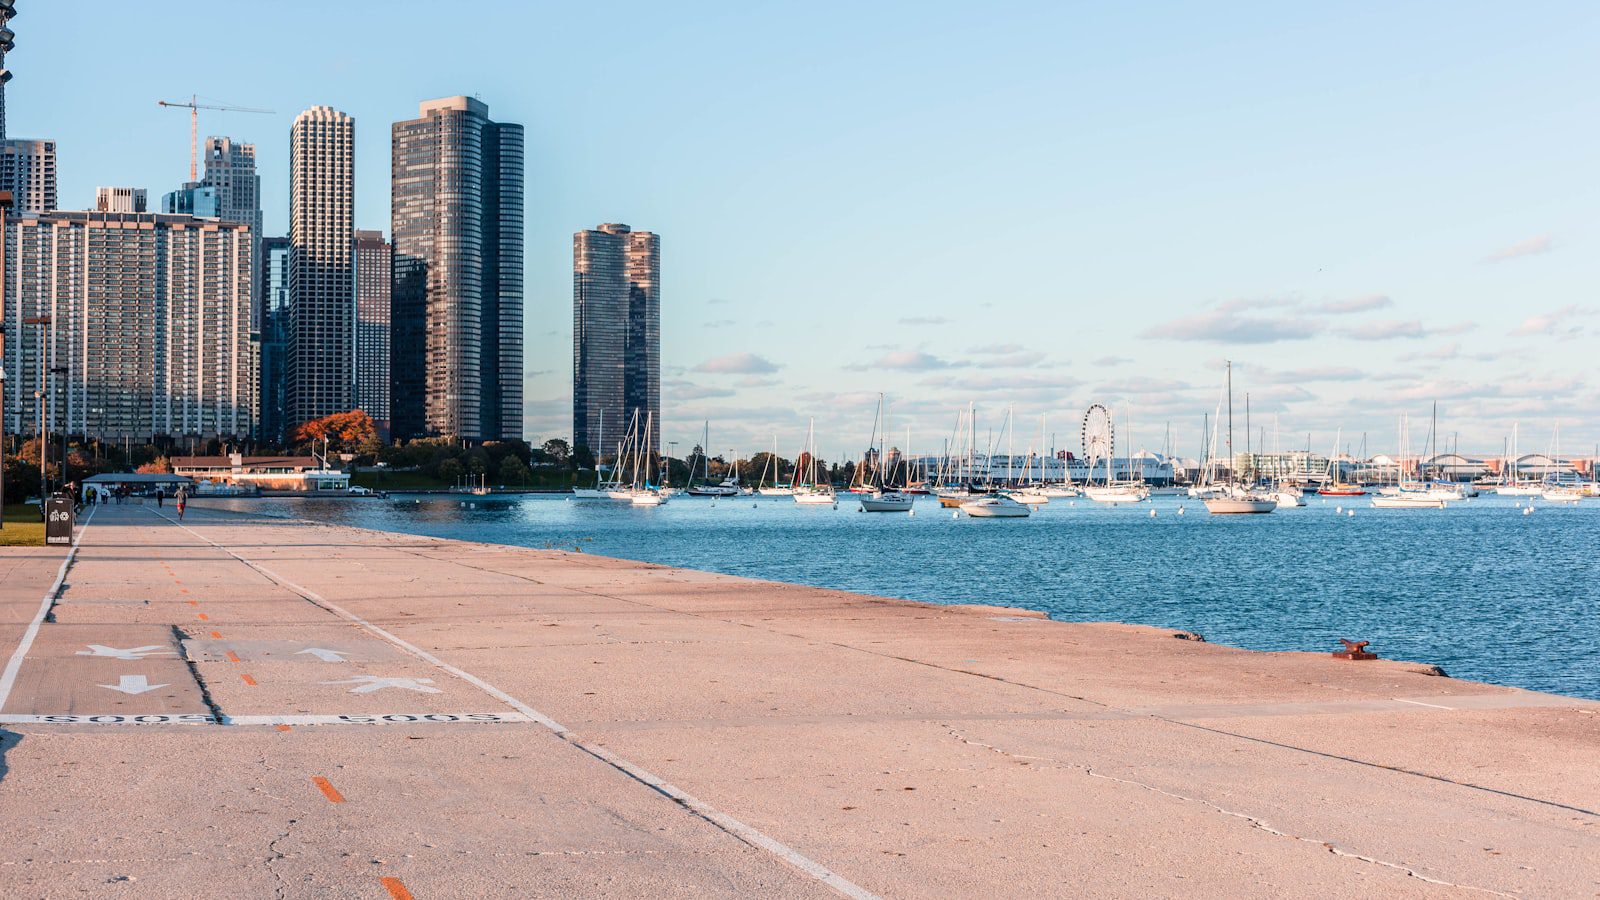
(451, 470)
(557, 451)
(513, 471)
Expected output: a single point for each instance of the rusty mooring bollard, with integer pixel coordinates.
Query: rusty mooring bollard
(1354, 650)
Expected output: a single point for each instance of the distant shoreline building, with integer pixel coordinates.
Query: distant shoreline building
(374, 258)
(152, 332)
(456, 224)
(616, 335)
(320, 357)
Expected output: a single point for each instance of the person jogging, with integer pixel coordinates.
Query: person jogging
(183, 501)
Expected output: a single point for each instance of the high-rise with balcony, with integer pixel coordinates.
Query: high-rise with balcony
(456, 207)
(373, 262)
(616, 334)
(320, 355)
(27, 167)
(149, 337)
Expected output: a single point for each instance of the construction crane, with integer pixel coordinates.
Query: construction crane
(194, 126)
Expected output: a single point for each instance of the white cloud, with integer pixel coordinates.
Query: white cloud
(1556, 323)
(1531, 247)
(1411, 329)
(1354, 305)
(738, 364)
(908, 361)
(1225, 326)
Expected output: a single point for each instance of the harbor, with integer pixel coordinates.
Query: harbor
(312, 710)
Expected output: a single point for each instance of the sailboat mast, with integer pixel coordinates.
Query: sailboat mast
(1232, 475)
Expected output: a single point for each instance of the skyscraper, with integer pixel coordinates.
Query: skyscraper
(27, 167)
(374, 257)
(195, 198)
(457, 311)
(616, 334)
(231, 172)
(272, 316)
(150, 335)
(320, 357)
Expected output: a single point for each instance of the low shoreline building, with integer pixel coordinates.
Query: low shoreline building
(296, 474)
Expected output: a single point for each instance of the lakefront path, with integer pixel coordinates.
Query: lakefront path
(238, 705)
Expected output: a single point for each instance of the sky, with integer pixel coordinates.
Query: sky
(1368, 207)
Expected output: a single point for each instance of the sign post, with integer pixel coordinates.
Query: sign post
(58, 519)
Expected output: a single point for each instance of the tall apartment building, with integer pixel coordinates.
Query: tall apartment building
(119, 199)
(27, 167)
(616, 334)
(152, 329)
(320, 357)
(456, 207)
(272, 318)
(374, 257)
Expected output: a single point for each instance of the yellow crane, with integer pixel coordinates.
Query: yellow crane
(194, 126)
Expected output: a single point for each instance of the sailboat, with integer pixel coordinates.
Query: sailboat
(1115, 490)
(808, 489)
(1558, 489)
(1401, 496)
(1033, 491)
(875, 495)
(1235, 497)
(729, 486)
(992, 504)
(643, 492)
(956, 484)
(598, 492)
(1287, 493)
(774, 463)
(1332, 483)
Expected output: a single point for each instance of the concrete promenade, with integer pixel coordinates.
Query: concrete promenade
(329, 712)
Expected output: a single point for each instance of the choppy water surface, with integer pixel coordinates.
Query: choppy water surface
(1480, 589)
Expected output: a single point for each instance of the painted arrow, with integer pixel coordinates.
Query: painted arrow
(133, 684)
(324, 655)
(369, 683)
(132, 653)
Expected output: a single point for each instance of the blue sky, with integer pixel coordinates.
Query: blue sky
(1368, 207)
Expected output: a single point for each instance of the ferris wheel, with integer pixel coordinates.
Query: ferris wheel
(1099, 433)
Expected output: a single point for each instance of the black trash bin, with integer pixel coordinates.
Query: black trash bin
(58, 519)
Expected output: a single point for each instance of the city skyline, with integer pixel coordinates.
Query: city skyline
(1363, 241)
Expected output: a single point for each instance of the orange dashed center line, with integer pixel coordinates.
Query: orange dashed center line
(281, 727)
(396, 889)
(193, 602)
(203, 616)
(232, 656)
(248, 680)
(327, 789)
(217, 635)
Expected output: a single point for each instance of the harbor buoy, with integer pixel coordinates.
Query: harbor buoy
(1152, 514)
(1527, 510)
(836, 506)
(911, 513)
(955, 514)
(1351, 514)
(1338, 509)
(1180, 510)
(754, 505)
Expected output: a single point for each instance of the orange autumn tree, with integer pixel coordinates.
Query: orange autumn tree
(344, 431)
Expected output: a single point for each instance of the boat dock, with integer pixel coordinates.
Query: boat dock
(239, 705)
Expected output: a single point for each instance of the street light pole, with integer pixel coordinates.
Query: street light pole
(5, 204)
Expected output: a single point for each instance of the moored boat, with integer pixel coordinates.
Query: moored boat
(995, 506)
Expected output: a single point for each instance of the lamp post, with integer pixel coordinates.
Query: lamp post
(65, 424)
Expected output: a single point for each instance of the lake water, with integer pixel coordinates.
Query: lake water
(1486, 592)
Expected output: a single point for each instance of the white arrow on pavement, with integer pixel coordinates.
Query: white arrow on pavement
(132, 653)
(369, 683)
(324, 655)
(133, 684)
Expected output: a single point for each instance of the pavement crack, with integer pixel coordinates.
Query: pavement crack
(1252, 821)
(280, 886)
(180, 636)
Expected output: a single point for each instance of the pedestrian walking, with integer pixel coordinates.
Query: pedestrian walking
(161, 496)
(183, 497)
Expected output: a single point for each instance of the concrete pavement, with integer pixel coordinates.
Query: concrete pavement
(251, 706)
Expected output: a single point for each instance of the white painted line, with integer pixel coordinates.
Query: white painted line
(369, 683)
(8, 678)
(128, 655)
(699, 807)
(382, 719)
(1420, 703)
(109, 719)
(207, 719)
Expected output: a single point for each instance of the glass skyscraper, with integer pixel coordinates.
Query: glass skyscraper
(616, 335)
(456, 207)
(272, 314)
(373, 262)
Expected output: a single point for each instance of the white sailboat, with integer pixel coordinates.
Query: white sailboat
(1400, 496)
(728, 487)
(808, 489)
(875, 495)
(599, 491)
(774, 489)
(1235, 497)
(996, 505)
